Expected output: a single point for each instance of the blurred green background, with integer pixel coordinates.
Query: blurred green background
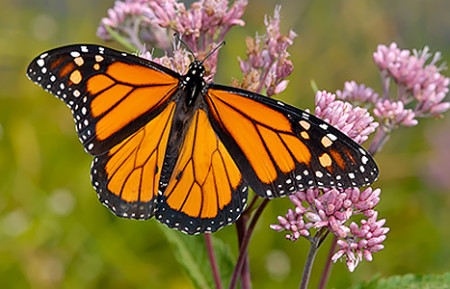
(54, 233)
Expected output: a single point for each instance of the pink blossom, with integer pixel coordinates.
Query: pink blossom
(267, 61)
(355, 122)
(357, 94)
(420, 83)
(393, 114)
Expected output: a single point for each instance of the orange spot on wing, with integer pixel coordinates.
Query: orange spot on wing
(306, 125)
(304, 135)
(326, 142)
(76, 77)
(325, 160)
(139, 75)
(79, 61)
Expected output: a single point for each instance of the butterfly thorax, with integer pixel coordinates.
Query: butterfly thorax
(192, 82)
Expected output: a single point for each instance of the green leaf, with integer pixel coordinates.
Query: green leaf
(408, 281)
(314, 86)
(188, 251)
(116, 36)
(192, 255)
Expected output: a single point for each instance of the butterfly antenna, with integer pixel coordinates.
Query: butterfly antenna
(185, 45)
(212, 51)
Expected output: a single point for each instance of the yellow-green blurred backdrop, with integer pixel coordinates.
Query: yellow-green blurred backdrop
(54, 233)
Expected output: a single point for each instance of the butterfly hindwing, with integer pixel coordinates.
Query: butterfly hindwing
(206, 190)
(281, 149)
(127, 177)
(111, 94)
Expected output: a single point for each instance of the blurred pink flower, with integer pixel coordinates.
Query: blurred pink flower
(357, 94)
(418, 80)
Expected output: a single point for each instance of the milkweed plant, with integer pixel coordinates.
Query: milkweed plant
(412, 88)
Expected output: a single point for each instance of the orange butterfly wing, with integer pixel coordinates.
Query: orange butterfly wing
(127, 177)
(281, 149)
(206, 190)
(111, 94)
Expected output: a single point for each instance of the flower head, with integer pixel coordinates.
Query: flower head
(267, 64)
(362, 241)
(393, 113)
(357, 94)
(355, 122)
(146, 24)
(332, 210)
(418, 78)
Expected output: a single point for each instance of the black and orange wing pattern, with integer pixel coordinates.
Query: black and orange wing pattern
(111, 94)
(124, 108)
(281, 149)
(206, 190)
(174, 147)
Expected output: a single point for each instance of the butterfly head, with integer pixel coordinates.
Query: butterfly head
(193, 82)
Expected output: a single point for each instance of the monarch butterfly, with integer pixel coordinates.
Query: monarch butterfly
(185, 151)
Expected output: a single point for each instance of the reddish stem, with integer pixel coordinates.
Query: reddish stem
(212, 260)
(241, 225)
(328, 265)
(244, 246)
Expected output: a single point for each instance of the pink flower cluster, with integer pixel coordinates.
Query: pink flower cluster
(418, 80)
(362, 241)
(421, 87)
(332, 209)
(152, 23)
(354, 121)
(357, 94)
(394, 113)
(267, 64)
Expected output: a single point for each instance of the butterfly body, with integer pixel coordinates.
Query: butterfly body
(185, 151)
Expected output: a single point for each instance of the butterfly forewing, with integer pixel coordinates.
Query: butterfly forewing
(281, 149)
(111, 94)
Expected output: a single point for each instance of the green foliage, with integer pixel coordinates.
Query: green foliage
(408, 281)
(191, 254)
